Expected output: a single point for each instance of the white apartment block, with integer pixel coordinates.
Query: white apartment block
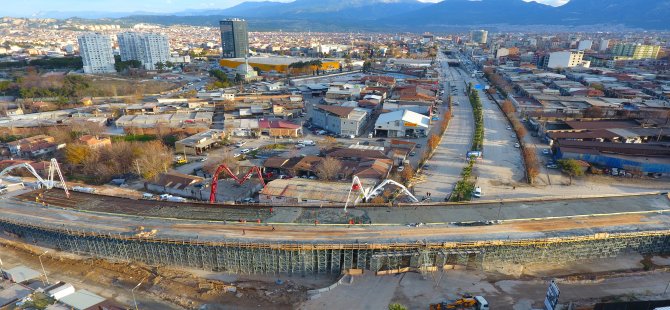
(567, 59)
(148, 48)
(96, 53)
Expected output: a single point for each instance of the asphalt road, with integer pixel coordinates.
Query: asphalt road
(444, 168)
(502, 164)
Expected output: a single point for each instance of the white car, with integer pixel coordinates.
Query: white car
(401, 168)
(241, 143)
(477, 193)
(301, 142)
(236, 155)
(299, 145)
(517, 145)
(509, 127)
(245, 151)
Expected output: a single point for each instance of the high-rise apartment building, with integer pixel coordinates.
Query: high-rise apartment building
(148, 48)
(96, 53)
(636, 51)
(479, 36)
(585, 45)
(604, 45)
(234, 38)
(566, 59)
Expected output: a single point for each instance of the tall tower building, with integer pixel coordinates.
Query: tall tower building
(234, 38)
(479, 36)
(604, 45)
(96, 53)
(148, 48)
(636, 51)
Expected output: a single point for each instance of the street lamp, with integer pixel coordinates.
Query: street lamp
(41, 264)
(133, 292)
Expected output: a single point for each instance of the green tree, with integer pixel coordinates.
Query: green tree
(571, 167)
(397, 306)
(160, 66)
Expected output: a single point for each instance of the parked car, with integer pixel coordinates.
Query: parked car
(244, 151)
(552, 166)
(517, 145)
(401, 168)
(241, 143)
(509, 127)
(418, 146)
(412, 153)
(546, 152)
(477, 193)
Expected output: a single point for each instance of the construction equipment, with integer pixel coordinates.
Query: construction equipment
(466, 302)
(356, 186)
(54, 169)
(224, 167)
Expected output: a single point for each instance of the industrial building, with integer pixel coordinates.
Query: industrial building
(278, 64)
(401, 123)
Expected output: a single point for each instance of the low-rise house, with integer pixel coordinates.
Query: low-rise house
(95, 142)
(176, 183)
(347, 121)
(200, 142)
(34, 147)
(279, 128)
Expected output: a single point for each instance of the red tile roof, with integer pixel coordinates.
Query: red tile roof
(266, 123)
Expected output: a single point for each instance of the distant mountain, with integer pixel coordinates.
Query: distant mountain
(322, 9)
(89, 14)
(482, 12)
(652, 14)
(412, 15)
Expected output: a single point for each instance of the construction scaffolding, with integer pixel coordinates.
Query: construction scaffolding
(324, 258)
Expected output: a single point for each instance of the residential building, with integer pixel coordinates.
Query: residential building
(347, 121)
(96, 53)
(479, 36)
(32, 147)
(95, 142)
(585, 45)
(636, 51)
(604, 45)
(279, 128)
(234, 38)
(566, 59)
(148, 48)
(401, 123)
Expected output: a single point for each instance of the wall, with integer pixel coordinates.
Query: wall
(238, 256)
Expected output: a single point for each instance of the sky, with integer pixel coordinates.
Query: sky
(32, 7)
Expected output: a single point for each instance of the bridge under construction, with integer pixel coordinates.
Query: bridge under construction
(296, 248)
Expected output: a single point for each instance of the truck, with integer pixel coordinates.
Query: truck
(466, 302)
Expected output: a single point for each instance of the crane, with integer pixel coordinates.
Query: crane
(357, 186)
(54, 169)
(224, 167)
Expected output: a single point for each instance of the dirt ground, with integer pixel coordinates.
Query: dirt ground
(583, 284)
(163, 288)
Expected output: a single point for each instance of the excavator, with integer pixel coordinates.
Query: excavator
(466, 302)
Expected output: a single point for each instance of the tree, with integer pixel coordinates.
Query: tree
(433, 142)
(160, 66)
(397, 306)
(328, 169)
(532, 164)
(76, 154)
(328, 143)
(571, 167)
(508, 107)
(154, 158)
(407, 174)
(214, 160)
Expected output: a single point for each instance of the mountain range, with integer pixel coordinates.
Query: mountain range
(412, 15)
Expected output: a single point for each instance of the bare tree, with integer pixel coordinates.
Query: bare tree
(215, 159)
(328, 169)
